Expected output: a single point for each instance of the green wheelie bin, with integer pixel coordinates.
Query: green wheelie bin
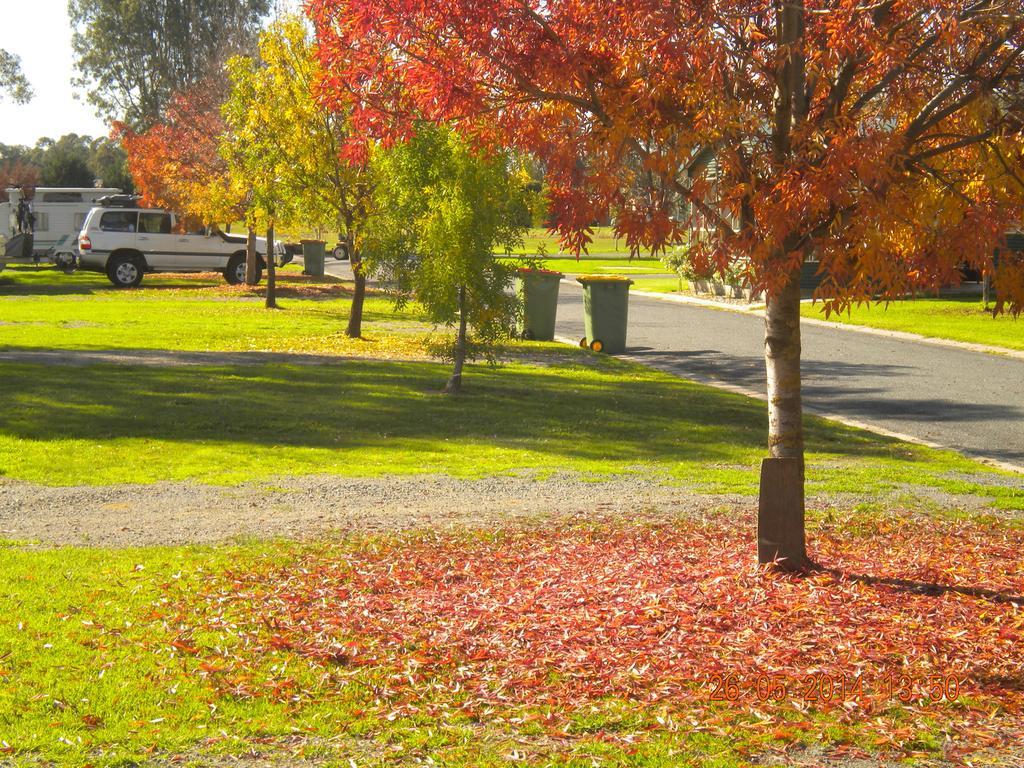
(313, 253)
(606, 312)
(538, 290)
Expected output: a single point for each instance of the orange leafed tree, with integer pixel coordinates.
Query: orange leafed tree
(882, 140)
(176, 163)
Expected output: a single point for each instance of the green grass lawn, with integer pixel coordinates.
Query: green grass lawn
(560, 410)
(960, 318)
(42, 308)
(660, 285)
(99, 424)
(595, 265)
(604, 243)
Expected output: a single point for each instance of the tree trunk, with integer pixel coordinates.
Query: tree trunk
(780, 514)
(780, 532)
(250, 258)
(271, 272)
(454, 385)
(355, 313)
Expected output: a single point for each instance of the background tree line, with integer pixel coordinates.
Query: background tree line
(70, 161)
(133, 55)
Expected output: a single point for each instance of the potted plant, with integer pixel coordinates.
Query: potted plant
(678, 260)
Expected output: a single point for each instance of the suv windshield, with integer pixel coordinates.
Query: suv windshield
(118, 221)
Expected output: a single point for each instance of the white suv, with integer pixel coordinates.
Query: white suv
(125, 242)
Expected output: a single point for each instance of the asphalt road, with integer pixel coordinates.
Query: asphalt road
(969, 401)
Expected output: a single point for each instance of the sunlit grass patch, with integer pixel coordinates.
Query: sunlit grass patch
(563, 411)
(960, 318)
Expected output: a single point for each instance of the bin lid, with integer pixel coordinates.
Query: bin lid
(584, 279)
(313, 242)
(528, 271)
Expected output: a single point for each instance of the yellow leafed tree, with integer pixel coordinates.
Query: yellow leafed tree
(286, 151)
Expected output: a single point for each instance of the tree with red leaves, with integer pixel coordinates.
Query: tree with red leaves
(17, 173)
(881, 140)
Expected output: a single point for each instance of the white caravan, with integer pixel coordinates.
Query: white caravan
(59, 214)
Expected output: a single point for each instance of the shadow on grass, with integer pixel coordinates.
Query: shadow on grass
(50, 281)
(565, 411)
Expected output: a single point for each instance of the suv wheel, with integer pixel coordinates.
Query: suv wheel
(124, 271)
(340, 252)
(235, 271)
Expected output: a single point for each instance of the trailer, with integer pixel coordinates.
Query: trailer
(52, 217)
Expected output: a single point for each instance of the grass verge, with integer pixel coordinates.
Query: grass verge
(960, 318)
(593, 265)
(661, 285)
(603, 243)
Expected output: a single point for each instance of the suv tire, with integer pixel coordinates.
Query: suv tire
(235, 271)
(124, 271)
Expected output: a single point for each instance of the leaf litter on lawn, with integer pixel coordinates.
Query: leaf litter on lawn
(910, 635)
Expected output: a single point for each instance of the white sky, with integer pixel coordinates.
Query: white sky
(39, 32)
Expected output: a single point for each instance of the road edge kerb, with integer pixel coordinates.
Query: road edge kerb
(677, 298)
(824, 414)
(758, 311)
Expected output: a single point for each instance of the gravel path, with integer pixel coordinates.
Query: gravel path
(307, 507)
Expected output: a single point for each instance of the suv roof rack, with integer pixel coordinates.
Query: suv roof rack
(119, 201)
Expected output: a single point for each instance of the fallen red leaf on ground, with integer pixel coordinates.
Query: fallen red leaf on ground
(908, 620)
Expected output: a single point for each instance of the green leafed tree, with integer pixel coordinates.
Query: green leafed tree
(133, 55)
(286, 148)
(70, 161)
(65, 162)
(108, 162)
(441, 211)
(13, 82)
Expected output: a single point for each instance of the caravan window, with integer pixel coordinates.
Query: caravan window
(155, 223)
(118, 221)
(42, 223)
(62, 197)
